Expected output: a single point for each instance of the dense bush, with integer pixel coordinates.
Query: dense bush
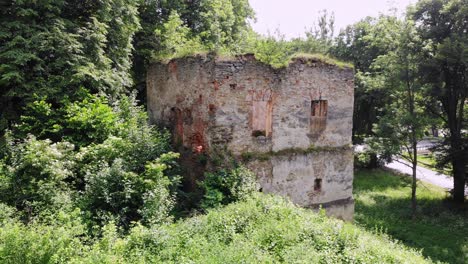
(114, 169)
(115, 193)
(367, 159)
(227, 185)
(34, 175)
(251, 231)
(58, 241)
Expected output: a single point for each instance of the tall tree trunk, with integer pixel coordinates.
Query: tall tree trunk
(414, 167)
(453, 103)
(458, 161)
(413, 139)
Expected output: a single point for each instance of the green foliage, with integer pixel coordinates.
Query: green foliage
(362, 43)
(158, 200)
(89, 121)
(227, 186)
(39, 119)
(252, 231)
(441, 25)
(132, 138)
(364, 159)
(273, 50)
(276, 51)
(50, 49)
(176, 39)
(58, 241)
(203, 25)
(34, 175)
(112, 192)
(382, 203)
(105, 176)
(223, 187)
(403, 119)
(319, 39)
(115, 182)
(429, 160)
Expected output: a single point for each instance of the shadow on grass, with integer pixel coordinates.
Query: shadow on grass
(379, 180)
(383, 201)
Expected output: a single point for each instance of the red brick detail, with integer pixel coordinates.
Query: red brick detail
(211, 109)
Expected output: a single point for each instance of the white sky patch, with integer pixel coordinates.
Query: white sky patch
(293, 17)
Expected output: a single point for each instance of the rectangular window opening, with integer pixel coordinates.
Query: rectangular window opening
(318, 185)
(318, 116)
(262, 118)
(319, 108)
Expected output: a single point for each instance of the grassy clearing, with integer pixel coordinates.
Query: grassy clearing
(383, 203)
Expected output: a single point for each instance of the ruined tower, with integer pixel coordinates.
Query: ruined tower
(291, 126)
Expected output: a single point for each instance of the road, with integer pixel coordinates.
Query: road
(424, 174)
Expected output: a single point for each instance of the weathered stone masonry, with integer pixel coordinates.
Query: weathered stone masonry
(292, 125)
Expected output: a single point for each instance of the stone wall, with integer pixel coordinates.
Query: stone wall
(298, 119)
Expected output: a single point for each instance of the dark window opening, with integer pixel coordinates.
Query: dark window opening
(318, 185)
(258, 133)
(211, 109)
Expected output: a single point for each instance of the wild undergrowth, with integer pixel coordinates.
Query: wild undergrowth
(259, 229)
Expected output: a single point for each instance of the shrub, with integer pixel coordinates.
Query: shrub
(367, 159)
(57, 242)
(6, 212)
(132, 139)
(41, 120)
(34, 175)
(362, 159)
(105, 175)
(125, 178)
(226, 186)
(113, 193)
(273, 50)
(262, 229)
(90, 121)
(259, 229)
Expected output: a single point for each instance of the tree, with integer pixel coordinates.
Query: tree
(319, 38)
(442, 25)
(361, 44)
(51, 49)
(177, 40)
(274, 49)
(403, 121)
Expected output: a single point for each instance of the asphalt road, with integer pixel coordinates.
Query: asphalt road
(424, 174)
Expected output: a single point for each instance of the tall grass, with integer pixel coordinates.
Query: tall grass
(260, 229)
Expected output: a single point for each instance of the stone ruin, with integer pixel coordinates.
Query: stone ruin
(291, 126)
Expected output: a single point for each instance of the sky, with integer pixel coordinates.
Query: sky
(292, 17)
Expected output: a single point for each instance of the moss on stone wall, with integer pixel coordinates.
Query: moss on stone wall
(305, 58)
(263, 156)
